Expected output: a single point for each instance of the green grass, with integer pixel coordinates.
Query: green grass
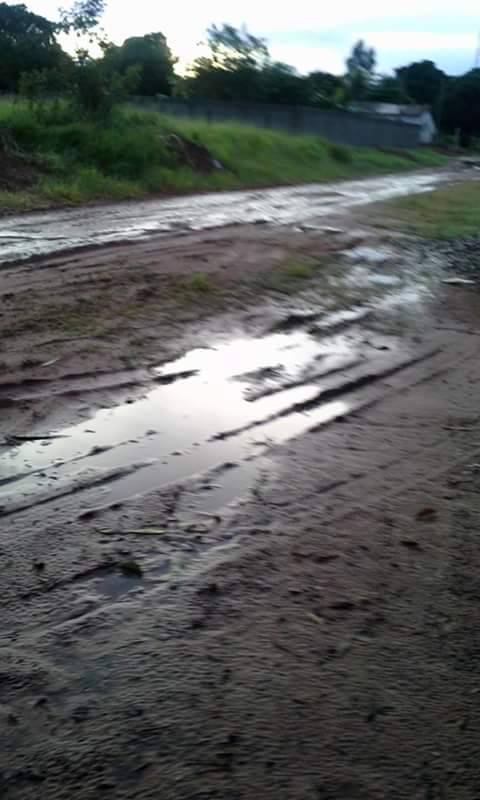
(299, 271)
(202, 283)
(291, 275)
(447, 213)
(128, 157)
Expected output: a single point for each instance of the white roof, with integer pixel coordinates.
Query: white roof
(393, 109)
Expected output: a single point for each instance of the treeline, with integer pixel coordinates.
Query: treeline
(236, 67)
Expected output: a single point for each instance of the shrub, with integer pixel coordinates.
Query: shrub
(340, 153)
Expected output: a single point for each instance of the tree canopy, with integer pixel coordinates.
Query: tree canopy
(360, 70)
(422, 81)
(388, 89)
(238, 67)
(83, 16)
(281, 83)
(27, 42)
(152, 55)
(232, 48)
(324, 88)
(461, 108)
(232, 68)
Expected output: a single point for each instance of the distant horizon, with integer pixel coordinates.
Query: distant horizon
(304, 37)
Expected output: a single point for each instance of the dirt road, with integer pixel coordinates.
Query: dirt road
(40, 234)
(316, 638)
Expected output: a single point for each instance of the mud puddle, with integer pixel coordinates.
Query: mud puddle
(40, 234)
(217, 409)
(203, 434)
(212, 407)
(216, 422)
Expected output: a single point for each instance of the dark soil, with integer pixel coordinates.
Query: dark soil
(192, 154)
(17, 172)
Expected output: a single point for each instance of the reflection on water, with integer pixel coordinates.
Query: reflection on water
(168, 435)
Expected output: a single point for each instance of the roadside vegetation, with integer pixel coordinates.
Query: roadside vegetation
(90, 144)
(450, 212)
(48, 158)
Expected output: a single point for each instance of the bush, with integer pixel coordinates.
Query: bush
(94, 89)
(340, 153)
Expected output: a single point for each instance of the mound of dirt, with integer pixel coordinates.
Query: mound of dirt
(16, 172)
(192, 154)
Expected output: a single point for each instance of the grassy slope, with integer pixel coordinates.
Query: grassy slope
(128, 157)
(446, 213)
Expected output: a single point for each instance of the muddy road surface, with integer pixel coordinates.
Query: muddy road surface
(239, 511)
(39, 234)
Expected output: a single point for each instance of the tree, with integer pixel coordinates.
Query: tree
(388, 90)
(281, 83)
(462, 106)
(154, 59)
(360, 70)
(94, 86)
(422, 81)
(83, 16)
(27, 42)
(324, 88)
(95, 90)
(232, 70)
(232, 48)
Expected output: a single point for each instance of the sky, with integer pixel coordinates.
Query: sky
(307, 33)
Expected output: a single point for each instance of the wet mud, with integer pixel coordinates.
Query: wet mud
(227, 402)
(245, 563)
(40, 234)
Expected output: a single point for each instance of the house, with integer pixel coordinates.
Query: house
(411, 114)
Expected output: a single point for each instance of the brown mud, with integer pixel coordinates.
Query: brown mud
(238, 511)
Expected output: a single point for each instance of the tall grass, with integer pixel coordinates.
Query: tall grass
(80, 161)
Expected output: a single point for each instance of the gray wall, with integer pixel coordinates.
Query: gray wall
(344, 127)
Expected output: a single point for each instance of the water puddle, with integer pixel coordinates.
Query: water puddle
(363, 276)
(368, 255)
(116, 583)
(219, 406)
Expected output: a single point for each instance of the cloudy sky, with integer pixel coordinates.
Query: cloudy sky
(307, 33)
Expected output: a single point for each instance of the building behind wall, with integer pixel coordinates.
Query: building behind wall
(421, 116)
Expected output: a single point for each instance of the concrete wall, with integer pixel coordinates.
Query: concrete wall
(344, 127)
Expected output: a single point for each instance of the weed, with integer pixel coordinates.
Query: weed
(289, 276)
(202, 283)
(299, 270)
